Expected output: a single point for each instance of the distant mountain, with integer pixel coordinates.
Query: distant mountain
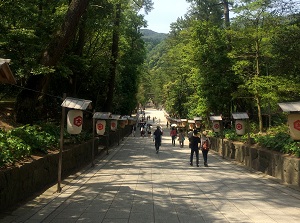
(152, 38)
(151, 34)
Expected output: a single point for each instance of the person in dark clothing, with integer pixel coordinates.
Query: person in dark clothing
(194, 145)
(157, 137)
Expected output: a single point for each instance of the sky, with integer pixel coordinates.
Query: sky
(164, 13)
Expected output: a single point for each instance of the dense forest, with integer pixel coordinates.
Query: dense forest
(223, 56)
(228, 56)
(88, 49)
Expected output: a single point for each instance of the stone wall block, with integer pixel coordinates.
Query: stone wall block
(254, 157)
(232, 151)
(278, 166)
(228, 147)
(41, 174)
(3, 187)
(265, 162)
(52, 166)
(283, 167)
(291, 167)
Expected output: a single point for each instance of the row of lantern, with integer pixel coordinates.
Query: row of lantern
(75, 119)
(240, 122)
(182, 123)
(292, 108)
(103, 119)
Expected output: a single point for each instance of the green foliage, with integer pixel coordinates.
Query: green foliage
(12, 149)
(77, 139)
(23, 141)
(152, 38)
(276, 138)
(26, 140)
(34, 137)
(230, 134)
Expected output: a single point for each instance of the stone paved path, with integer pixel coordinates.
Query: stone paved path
(133, 184)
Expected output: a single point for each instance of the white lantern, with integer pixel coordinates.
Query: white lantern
(113, 125)
(100, 127)
(183, 123)
(240, 127)
(198, 123)
(122, 124)
(294, 125)
(216, 126)
(74, 121)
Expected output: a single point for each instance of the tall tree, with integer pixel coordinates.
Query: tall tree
(113, 60)
(29, 100)
(115, 47)
(256, 23)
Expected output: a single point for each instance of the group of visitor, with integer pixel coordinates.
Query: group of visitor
(199, 142)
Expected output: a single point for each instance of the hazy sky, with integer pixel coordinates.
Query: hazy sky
(164, 13)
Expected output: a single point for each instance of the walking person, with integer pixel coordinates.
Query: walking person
(181, 138)
(173, 135)
(149, 131)
(205, 146)
(143, 131)
(194, 145)
(133, 130)
(190, 134)
(157, 138)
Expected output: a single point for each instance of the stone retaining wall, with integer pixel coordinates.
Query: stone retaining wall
(20, 183)
(283, 167)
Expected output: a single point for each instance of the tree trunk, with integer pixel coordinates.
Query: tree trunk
(226, 13)
(260, 122)
(113, 61)
(256, 96)
(78, 50)
(29, 100)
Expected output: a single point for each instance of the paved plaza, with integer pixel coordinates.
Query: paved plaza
(133, 184)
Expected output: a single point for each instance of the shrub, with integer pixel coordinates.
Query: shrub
(276, 138)
(231, 134)
(24, 141)
(35, 137)
(12, 149)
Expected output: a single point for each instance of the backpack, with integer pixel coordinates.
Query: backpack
(205, 145)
